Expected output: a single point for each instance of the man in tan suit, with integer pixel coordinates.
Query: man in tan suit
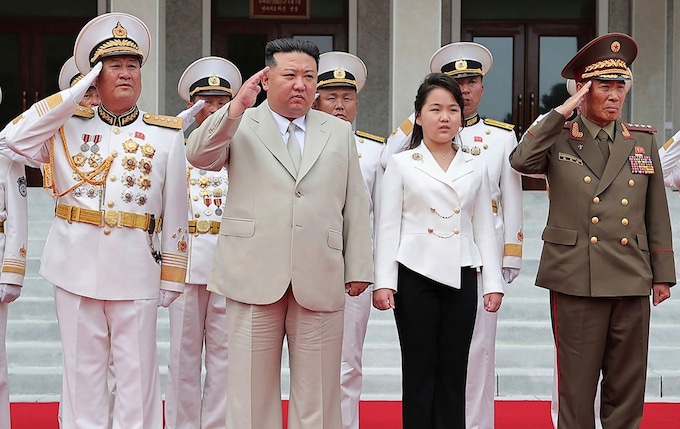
(294, 238)
(607, 243)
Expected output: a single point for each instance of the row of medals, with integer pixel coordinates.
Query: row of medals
(210, 197)
(129, 162)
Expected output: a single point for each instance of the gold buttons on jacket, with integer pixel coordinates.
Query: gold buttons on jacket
(113, 178)
(631, 183)
(624, 241)
(593, 239)
(624, 221)
(456, 231)
(110, 204)
(107, 231)
(595, 219)
(456, 210)
(624, 202)
(587, 179)
(114, 153)
(596, 200)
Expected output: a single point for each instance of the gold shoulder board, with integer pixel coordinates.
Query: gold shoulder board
(646, 128)
(163, 121)
(499, 124)
(370, 136)
(84, 112)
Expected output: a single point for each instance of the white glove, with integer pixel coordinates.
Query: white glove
(8, 292)
(166, 297)
(80, 88)
(509, 274)
(188, 115)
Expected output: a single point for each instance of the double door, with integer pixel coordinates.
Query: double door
(33, 51)
(525, 79)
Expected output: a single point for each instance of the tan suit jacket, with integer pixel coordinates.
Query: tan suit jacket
(608, 231)
(311, 229)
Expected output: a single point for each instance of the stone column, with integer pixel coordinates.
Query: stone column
(415, 36)
(649, 85)
(373, 32)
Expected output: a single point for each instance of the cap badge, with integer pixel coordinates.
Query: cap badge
(214, 80)
(339, 73)
(461, 64)
(616, 46)
(119, 31)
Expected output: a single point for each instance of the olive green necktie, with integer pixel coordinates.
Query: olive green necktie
(603, 143)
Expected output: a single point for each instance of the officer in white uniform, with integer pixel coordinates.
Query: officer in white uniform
(199, 317)
(113, 171)
(341, 77)
(69, 76)
(492, 141)
(13, 240)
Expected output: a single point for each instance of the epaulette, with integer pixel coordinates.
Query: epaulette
(84, 112)
(499, 124)
(640, 127)
(163, 121)
(370, 136)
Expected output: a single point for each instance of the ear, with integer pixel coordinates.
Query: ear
(265, 80)
(418, 121)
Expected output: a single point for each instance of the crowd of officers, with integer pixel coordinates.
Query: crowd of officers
(142, 222)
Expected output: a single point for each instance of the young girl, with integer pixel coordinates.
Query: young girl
(435, 241)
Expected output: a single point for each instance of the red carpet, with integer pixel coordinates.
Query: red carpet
(387, 415)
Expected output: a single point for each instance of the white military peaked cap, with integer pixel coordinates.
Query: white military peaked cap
(341, 69)
(209, 76)
(69, 74)
(108, 35)
(462, 59)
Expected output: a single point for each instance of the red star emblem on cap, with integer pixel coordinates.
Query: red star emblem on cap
(616, 46)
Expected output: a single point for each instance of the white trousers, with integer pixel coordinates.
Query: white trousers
(91, 330)
(357, 311)
(198, 318)
(4, 378)
(481, 371)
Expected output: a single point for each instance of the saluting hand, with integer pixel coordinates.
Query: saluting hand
(574, 101)
(247, 95)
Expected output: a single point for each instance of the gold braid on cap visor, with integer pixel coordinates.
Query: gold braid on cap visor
(211, 88)
(332, 81)
(606, 67)
(116, 46)
(455, 72)
(77, 78)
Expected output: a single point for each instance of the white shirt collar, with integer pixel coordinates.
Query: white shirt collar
(282, 123)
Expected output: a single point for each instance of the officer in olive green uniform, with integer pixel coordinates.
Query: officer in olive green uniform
(607, 243)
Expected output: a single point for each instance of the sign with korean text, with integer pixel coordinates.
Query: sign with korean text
(279, 9)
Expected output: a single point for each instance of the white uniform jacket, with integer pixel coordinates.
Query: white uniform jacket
(493, 142)
(207, 195)
(369, 152)
(435, 222)
(127, 168)
(14, 220)
(669, 155)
